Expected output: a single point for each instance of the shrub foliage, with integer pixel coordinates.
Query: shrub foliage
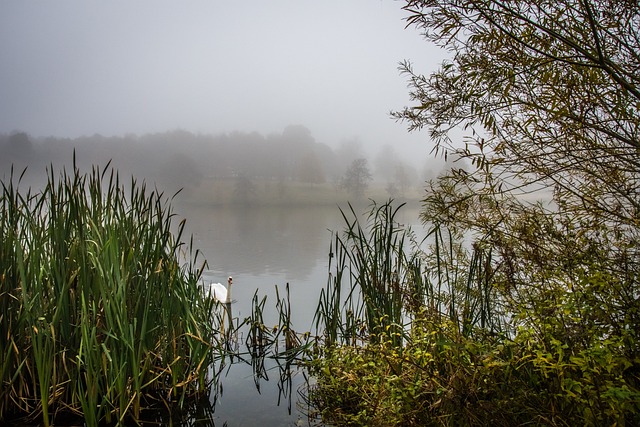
(461, 346)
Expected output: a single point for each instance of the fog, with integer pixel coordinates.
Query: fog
(119, 72)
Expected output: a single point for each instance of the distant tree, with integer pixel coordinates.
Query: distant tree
(20, 146)
(295, 143)
(244, 189)
(392, 190)
(297, 135)
(401, 178)
(392, 170)
(357, 177)
(346, 153)
(384, 163)
(310, 169)
(180, 171)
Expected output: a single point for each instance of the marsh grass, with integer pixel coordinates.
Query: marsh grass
(363, 289)
(426, 333)
(97, 310)
(380, 279)
(398, 322)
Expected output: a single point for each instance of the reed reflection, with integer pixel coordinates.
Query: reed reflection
(273, 353)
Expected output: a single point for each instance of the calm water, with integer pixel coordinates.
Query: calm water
(263, 248)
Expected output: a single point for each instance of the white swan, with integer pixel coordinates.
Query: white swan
(220, 293)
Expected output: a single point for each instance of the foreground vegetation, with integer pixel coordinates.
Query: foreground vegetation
(99, 315)
(103, 317)
(441, 337)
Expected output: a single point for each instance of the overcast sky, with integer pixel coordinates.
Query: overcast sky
(72, 68)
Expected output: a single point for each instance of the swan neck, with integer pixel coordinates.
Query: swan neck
(229, 292)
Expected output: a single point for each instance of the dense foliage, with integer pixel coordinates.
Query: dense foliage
(98, 314)
(413, 337)
(533, 311)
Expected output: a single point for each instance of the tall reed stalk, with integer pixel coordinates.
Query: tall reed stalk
(401, 323)
(381, 279)
(98, 315)
(378, 269)
(457, 284)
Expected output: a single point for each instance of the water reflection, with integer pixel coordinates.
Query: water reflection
(262, 241)
(273, 240)
(255, 379)
(199, 413)
(272, 355)
(272, 365)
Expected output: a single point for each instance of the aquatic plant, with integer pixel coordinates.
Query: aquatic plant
(100, 314)
(380, 279)
(460, 347)
(365, 293)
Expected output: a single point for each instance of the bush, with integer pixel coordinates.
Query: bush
(464, 349)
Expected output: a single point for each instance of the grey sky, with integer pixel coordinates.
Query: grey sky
(72, 68)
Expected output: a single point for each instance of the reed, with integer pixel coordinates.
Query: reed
(382, 279)
(259, 336)
(455, 284)
(375, 280)
(293, 345)
(398, 316)
(429, 334)
(99, 314)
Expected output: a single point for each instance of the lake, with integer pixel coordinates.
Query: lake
(261, 248)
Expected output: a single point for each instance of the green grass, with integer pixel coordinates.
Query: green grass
(100, 311)
(223, 192)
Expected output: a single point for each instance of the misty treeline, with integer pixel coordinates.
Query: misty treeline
(180, 159)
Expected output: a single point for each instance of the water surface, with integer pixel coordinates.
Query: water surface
(265, 247)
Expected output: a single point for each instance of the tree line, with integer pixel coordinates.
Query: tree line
(181, 159)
